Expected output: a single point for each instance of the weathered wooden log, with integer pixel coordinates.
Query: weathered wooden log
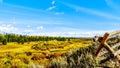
(114, 32)
(114, 46)
(107, 47)
(117, 52)
(114, 55)
(105, 37)
(112, 51)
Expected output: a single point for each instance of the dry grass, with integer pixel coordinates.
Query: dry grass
(17, 55)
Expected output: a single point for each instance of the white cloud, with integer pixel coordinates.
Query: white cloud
(28, 30)
(8, 28)
(51, 8)
(71, 34)
(53, 2)
(53, 5)
(90, 11)
(59, 13)
(39, 28)
(68, 32)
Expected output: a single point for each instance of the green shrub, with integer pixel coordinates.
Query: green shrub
(4, 42)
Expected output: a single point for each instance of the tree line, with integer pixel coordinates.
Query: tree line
(21, 39)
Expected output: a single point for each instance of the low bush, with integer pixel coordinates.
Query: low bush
(38, 56)
(28, 53)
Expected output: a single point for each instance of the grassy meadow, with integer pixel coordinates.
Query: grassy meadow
(53, 53)
(37, 53)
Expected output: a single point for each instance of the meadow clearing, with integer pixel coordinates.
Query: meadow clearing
(49, 52)
(39, 53)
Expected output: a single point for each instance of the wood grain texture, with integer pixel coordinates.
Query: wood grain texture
(109, 49)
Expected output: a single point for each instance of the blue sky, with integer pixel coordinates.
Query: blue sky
(78, 18)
